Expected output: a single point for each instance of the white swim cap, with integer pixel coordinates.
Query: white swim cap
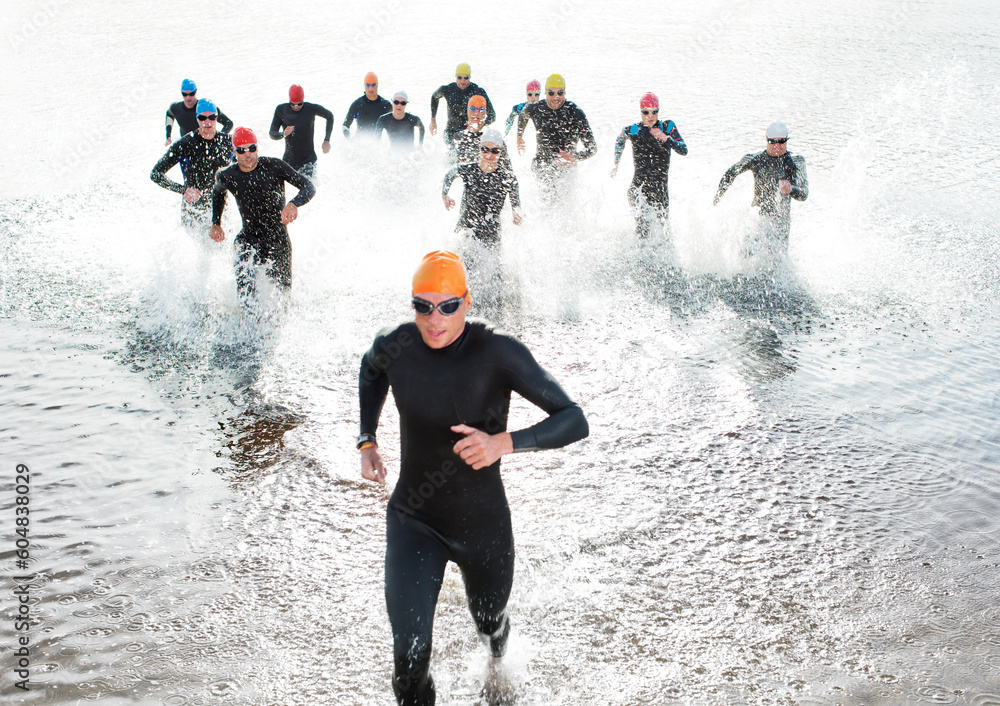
(777, 131)
(491, 134)
(401, 95)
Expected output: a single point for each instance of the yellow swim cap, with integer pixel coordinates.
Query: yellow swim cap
(555, 81)
(463, 69)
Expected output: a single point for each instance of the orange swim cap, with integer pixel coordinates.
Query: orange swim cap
(441, 272)
(370, 77)
(478, 101)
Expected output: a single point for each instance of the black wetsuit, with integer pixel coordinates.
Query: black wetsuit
(556, 130)
(457, 104)
(260, 195)
(205, 158)
(483, 198)
(366, 112)
(401, 132)
(187, 119)
(774, 206)
(514, 112)
(442, 509)
(651, 157)
(300, 148)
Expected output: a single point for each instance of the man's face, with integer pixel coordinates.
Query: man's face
(650, 116)
(190, 98)
(489, 156)
(463, 80)
(555, 97)
(247, 158)
(777, 147)
(371, 90)
(296, 106)
(206, 125)
(398, 108)
(436, 329)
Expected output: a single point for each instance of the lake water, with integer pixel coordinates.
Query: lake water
(789, 494)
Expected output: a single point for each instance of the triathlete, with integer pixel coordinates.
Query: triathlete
(183, 113)
(778, 177)
(295, 122)
(652, 140)
(367, 109)
(258, 183)
(467, 141)
(456, 96)
(487, 185)
(452, 380)
(399, 125)
(559, 126)
(207, 151)
(533, 92)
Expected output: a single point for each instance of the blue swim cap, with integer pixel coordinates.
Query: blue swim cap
(205, 106)
(188, 85)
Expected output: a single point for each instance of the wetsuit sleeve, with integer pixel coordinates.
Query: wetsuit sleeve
(373, 388)
(169, 122)
(379, 127)
(510, 121)
(435, 97)
(160, 169)
(320, 110)
(565, 423)
(513, 190)
(420, 126)
(522, 119)
(731, 173)
(305, 186)
(349, 118)
(676, 142)
(586, 135)
(491, 113)
(276, 131)
(218, 200)
(620, 144)
(225, 121)
(448, 179)
(800, 184)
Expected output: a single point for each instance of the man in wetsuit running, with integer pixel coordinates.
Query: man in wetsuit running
(258, 183)
(559, 126)
(533, 92)
(778, 177)
(399, 125)
(652, 140)
(295, 122)
(487, 185)
(184, 114)
(467, 141)
(367, 109)
(452, 380)
(207, 150)
(456, 96)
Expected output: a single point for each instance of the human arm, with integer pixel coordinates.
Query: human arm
(731, 173)
(522, 122)
(276, 131)
(169, 125)
(491, 113)
(420, 126)
(435, 98)
(619, 148)
(160, 169)
(323, 112)
(446, 185)
(670, 137)
(585, 135)
(219, 191)
(373, 388)
(510, 121)
(305, 186)
(800, 183)
(225, 121)
(352, 114)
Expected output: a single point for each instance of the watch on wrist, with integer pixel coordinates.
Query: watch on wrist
(366, 439)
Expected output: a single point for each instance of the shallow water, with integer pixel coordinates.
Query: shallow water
(789, 494)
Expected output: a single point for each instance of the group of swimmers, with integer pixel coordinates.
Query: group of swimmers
(208, 149)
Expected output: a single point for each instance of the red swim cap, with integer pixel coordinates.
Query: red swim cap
(534, 85)
(296, 94)
(441, 272)
(649, 101)
(243, 136)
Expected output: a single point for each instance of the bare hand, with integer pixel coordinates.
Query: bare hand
(566, 158)
(288, 131)
(479, 449)
(434, 126)
(658, 134)
(326, 147)
(614, 171)
(216, 233)
(167, 143)
(520, 145)
(289, 213)
(517, 217)
(192, 194)
(448, 201)
(371, 465)
(785, 186)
